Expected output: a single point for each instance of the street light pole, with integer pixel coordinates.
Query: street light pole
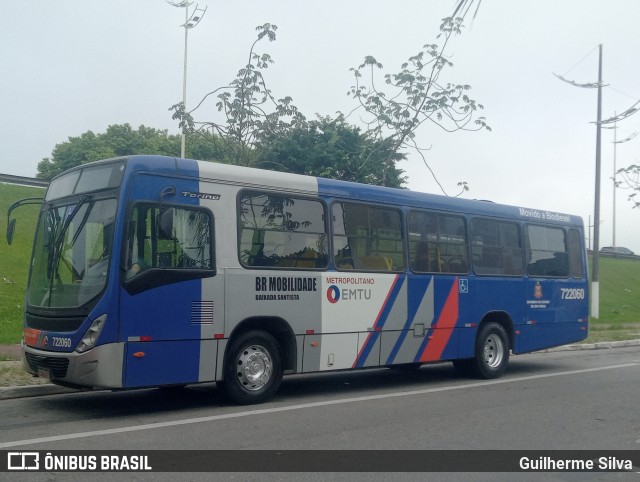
(615, 169)
(615, 143)
(190, 21)
(183, 142)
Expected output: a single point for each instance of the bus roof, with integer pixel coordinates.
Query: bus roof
(260, 178)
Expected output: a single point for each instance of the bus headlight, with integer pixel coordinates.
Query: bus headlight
(91, 336)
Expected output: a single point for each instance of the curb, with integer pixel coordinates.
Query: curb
(50, 389)
(595, 346)
(33, 391)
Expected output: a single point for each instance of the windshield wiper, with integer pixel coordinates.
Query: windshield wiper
(55, 248)
(67, 221)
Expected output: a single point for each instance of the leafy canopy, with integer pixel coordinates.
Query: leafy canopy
(123, 140)
(332, 148)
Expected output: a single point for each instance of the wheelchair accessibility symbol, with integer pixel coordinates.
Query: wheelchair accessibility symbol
(463, 286)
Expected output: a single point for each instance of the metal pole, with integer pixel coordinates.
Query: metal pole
(183, 144)
(595, 276)
(189, 22)
(615, 145)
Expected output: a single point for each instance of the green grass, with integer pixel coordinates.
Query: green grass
(619, 301)
(619, 279)
(14, 259)
(619, 291)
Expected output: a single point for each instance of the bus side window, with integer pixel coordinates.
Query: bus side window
(438, 243)
(278, 231)
(497, 247)
(367, 238)
(576, 268)
(547, 254)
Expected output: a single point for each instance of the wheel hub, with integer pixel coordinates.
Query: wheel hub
(493, 351)
(254, 367)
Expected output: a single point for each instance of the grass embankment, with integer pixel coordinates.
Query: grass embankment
(619, 279)
(619, 301)
(14, 259)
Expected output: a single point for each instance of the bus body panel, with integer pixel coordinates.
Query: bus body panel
(157, 322)
(170, 362)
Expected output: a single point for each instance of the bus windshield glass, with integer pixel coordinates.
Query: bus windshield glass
(71, 253)
(89, 179)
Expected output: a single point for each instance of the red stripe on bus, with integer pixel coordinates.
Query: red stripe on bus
(444, 327)
(375, 325)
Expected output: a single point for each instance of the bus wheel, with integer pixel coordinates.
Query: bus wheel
(252, 368)
(492, 353)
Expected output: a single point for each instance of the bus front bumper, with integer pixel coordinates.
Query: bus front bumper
(100, 367)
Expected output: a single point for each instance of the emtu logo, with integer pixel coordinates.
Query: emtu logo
(333, 294)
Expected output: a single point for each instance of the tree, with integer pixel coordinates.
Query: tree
(122, 140)
(263, 131)
(331, 148)
(631, 178)
(250, 110)
(415, 97)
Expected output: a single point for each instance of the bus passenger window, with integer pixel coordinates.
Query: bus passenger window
(367, 238)
(437, 243)
(547, 252)
(497, 247)
(278, 231)
(576, 267)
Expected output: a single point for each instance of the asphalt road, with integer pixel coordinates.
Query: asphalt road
(587, 399)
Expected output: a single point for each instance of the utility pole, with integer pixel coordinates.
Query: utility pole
(595, 272)
(595, 275)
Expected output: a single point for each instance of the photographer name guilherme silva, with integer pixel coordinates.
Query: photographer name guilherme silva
(549, 464)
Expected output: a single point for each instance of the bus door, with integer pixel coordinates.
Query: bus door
(171, 301)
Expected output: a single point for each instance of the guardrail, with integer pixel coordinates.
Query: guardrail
(619, 256)
(23, 181)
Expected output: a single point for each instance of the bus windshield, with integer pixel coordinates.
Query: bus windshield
(71, 253)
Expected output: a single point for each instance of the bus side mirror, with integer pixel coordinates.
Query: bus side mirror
(165, 224)
(11, 223)
(11, 227)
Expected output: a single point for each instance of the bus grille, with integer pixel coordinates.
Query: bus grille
(57, 366)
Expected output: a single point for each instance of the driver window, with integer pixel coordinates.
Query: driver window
(168, 237)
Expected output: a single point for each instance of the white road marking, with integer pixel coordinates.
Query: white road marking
(264, 411)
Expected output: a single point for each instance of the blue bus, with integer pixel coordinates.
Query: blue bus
(155, 271)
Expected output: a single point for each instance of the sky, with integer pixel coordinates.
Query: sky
(69, 66)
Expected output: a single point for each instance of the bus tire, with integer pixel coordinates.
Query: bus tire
(492, 354)
(252, 368)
